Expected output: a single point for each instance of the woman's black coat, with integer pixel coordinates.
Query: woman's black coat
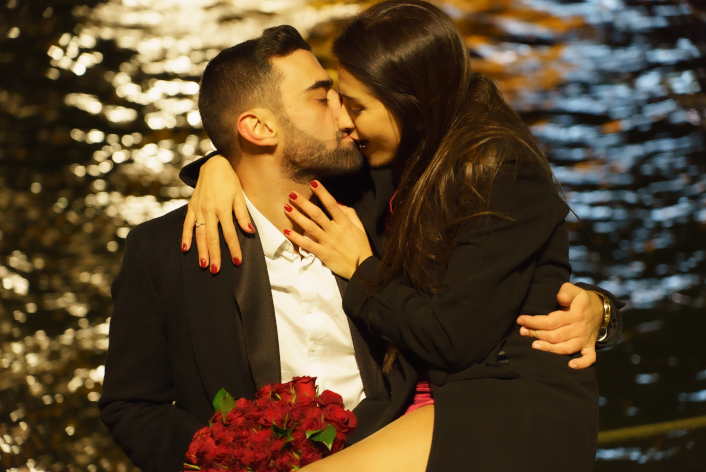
(499, 404)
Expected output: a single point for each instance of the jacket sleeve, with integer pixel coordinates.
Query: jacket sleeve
(190, 173)
(615, 327)
(484, 287)
(138, 389)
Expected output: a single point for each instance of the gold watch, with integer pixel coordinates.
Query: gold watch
(606, 315)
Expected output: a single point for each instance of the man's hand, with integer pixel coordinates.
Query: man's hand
(572, 329)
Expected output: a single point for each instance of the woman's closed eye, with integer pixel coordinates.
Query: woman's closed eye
(355, 109)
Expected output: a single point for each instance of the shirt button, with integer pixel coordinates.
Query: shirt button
(312, 348)
(310, 309)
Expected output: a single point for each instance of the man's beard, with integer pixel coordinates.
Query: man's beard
(307, 158)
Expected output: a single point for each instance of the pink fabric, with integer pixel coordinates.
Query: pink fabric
(422, 396)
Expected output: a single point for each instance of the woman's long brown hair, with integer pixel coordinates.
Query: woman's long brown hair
(457, 132)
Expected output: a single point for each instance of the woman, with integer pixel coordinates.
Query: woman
(474, 234)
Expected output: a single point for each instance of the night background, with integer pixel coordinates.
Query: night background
(98, 115)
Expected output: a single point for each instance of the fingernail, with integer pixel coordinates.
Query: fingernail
(537, 345)
(521, 322)
(288, 207)
(203, 263)
(236, 261)
(184, 248)
(251, 228)
(293, 196)
(214, 269)
(524, 332)
(314, 183)
(287, 232)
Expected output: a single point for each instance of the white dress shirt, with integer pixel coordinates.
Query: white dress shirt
(312, 328)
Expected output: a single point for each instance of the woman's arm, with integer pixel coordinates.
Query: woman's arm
(217, 195)
(485, 286)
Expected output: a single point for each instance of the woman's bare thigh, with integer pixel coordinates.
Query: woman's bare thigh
(403, 446)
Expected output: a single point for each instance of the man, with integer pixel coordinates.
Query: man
(178, 335)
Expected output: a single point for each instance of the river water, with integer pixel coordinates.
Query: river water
(97, 107)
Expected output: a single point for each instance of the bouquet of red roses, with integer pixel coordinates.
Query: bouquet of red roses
(286, 427)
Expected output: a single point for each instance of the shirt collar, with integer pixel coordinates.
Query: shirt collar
(273, 242)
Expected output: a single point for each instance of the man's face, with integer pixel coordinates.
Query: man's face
(314, 147)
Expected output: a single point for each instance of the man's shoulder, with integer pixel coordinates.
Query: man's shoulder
(161, 231)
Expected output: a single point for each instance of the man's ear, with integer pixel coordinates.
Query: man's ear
(259, 127)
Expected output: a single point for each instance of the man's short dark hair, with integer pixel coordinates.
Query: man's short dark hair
(240, 78)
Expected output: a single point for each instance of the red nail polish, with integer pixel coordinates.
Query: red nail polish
(203, 263)
(288, 207)
(251, 228)
(287, 232)
(236, 261)
(214, 269)
(184, 248)
(314, 183)
(293, 196)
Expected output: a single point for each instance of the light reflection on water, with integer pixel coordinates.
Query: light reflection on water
(102, 117)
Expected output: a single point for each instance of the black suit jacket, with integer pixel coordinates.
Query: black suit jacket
(179, 334)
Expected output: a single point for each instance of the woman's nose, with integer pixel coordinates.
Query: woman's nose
(344, 120)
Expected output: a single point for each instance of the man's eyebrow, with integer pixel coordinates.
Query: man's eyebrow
(325, 84)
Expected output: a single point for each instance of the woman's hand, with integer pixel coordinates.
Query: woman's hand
(569, 330)
(217, 195)
(340, 243)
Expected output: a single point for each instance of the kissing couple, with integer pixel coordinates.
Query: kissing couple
(401, 238)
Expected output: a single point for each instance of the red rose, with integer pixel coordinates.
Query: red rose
(300, 442)
(243, 454)
(285, 462)
(208, 449)
(308, 456)
(344, 420)
(276, 414)
(262, 436)
(311, 424)
(222, 452)
(328, 397)
(305, 402)
(304, 386)
(340, 442)
(284, 391)
(260, 454)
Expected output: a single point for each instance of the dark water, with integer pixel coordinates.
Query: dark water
(97, 117)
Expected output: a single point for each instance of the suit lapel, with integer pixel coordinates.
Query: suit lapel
(370, 371)
(253, 295)
(231, 321)
(213, 326)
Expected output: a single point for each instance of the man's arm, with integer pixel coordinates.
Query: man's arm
(576, 326)
(138, 389)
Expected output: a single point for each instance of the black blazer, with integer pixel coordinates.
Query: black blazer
(179, 334)
(499, 404)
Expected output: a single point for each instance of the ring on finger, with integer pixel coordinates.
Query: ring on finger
(199, 224)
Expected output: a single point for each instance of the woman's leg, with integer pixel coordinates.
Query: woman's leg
(403, 446)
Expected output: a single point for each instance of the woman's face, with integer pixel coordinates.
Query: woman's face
(367, 121)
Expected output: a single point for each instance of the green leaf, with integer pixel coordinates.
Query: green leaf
(217, 400)
(195, 467)
(326, 436)
(312, 432)
(227, 404)
(281, 432)
(295, 467)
